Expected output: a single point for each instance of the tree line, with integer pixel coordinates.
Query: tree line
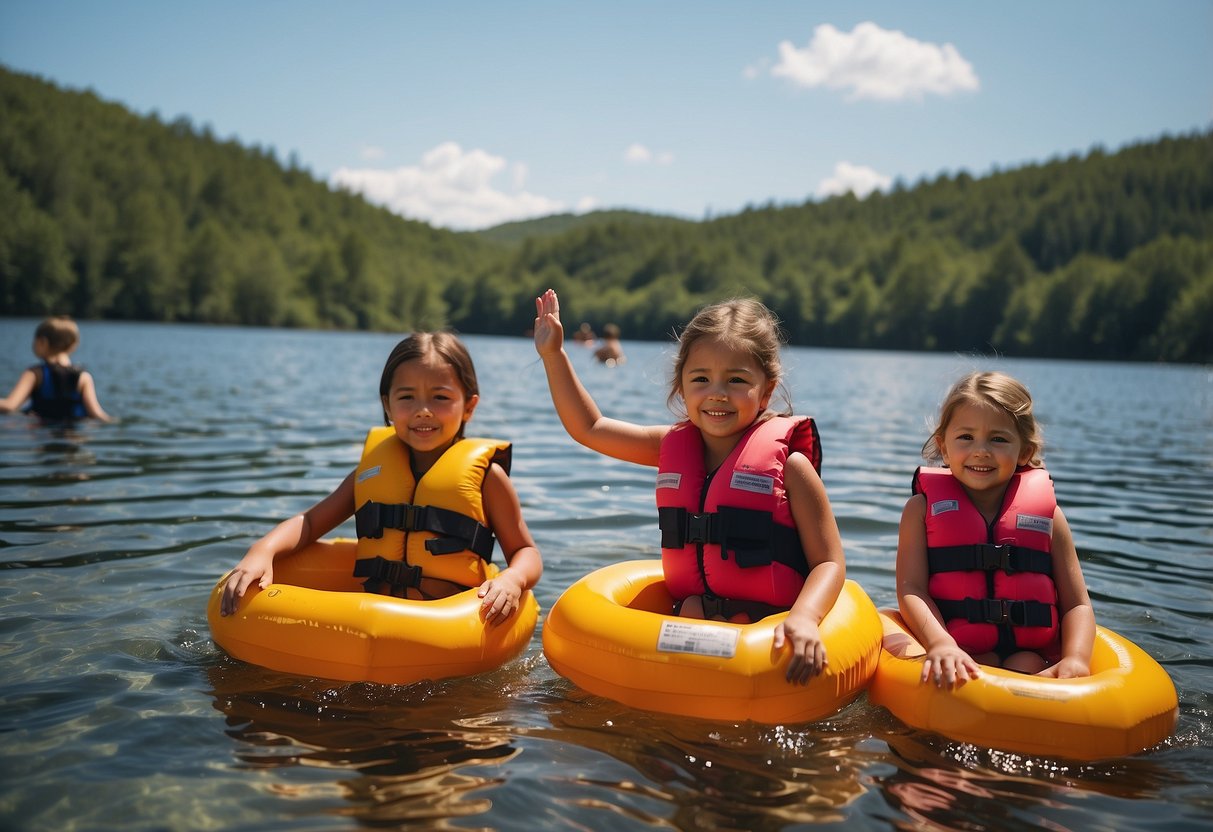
(1105, 255)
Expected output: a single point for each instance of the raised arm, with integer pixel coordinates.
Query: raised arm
(577, 410)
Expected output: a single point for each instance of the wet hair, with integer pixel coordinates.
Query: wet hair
(742, 324)
(611, 331)
(990, 389)
(60, 332)
(446, 346)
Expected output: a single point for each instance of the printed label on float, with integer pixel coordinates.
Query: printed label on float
(368, 473)
(700, 639)
(669, 480)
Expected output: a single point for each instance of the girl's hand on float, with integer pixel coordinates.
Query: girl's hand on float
(549, 333)
(808, 652)
(949, 665)
(499, 597)
(1068, 668)
(252, 569)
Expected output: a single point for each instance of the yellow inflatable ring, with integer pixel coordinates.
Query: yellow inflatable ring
(610, 633)
(316, 620)
(1128, 703)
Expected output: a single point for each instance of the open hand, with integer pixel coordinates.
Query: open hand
(549, 333)
(252, 569)
(949, 666)
(808, 651)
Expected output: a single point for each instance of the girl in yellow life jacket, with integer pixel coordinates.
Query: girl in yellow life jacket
(428, 502)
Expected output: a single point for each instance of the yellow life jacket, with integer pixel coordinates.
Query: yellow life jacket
(435, 528)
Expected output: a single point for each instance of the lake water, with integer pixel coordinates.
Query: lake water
(119, 712)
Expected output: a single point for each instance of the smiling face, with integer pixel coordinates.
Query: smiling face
(982, 447)
(724, 389)
(427, 406)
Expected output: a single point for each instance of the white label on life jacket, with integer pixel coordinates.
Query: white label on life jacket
(700, 639)
(944, 506)
(1034, 523)
(758, 483)
(368, 473)
(669, 480)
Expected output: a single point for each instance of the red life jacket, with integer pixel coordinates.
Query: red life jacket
(730, 533)
(993, 585)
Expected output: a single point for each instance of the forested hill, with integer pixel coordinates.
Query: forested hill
(109, 214)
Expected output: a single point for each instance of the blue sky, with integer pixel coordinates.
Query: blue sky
(468, 114)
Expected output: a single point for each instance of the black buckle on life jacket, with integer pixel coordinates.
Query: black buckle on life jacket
(373, 518)
(989, 557)
(700, 528)
(1000, 611)
(397, 574)
(996, 556)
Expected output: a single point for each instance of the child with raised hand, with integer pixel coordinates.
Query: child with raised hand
(55, 389)
(987, 572)
(746, 526)
(406, 547)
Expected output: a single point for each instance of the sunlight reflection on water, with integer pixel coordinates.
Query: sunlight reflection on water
(118, 705)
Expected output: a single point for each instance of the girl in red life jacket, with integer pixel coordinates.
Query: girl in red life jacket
(987, 572)
(763, 537)
(428, 391)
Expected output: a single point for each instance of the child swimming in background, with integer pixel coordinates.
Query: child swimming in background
(987, 572)
(427, 502)
(746, 526)
(55, 388)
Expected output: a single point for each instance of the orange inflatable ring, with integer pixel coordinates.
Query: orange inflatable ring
(1128, 703)
(316, 620)
(610, 633)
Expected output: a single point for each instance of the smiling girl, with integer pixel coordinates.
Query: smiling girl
(746, 526)
(987, 572)
(428, 503)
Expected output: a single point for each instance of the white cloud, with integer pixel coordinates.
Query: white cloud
(451, 188)
(371, 153)
(858, 179)
(638, 154)
(876, 63)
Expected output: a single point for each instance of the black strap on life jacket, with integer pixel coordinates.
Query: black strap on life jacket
(396, 575)
(998, 611)
(989, 557)
(455, 532)
(751, 536)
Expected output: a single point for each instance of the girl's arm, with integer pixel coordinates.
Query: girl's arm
(577, 410)
(502, 594)
(20, 393)
(822, 544)
(88, 395)
(1073, 606)
(945, 661)
(291, 535)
